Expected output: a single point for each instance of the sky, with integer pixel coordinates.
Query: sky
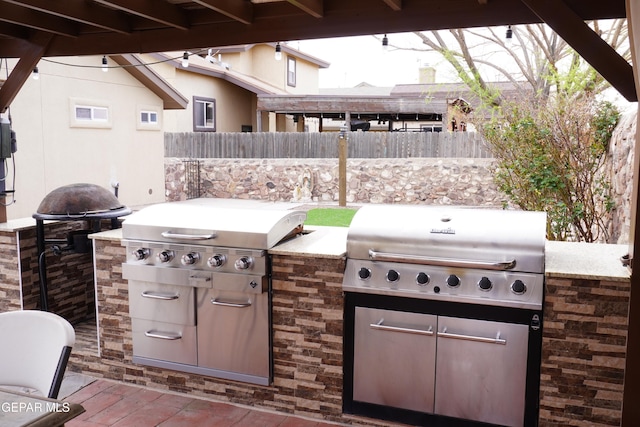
(354, 60)
(359, 59)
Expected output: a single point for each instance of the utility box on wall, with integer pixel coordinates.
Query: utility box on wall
(6, 136)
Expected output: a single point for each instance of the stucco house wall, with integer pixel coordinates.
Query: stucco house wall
(55, 150)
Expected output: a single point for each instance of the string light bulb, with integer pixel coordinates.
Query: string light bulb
(185, 60)
(105, 66)
(385, 43)
(209, 56)
(509, 34)
(278, 53)
(35, 74)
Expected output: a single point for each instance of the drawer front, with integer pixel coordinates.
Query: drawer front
(164, 341)
(163, 303)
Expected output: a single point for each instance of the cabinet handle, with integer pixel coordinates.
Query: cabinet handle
(216, 301)
(159, 295)
(496, 340)
(163, 335)
(380, 327)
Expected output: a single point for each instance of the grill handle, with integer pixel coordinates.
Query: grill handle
(216, 301)
(159, 295)
(171, 336)
(181, 236)
(496, 340)
(442, 262)
(380, 326)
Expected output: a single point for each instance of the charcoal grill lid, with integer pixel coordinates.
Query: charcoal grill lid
(80, 201)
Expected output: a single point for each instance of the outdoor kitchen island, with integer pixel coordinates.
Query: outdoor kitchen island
(583, 352)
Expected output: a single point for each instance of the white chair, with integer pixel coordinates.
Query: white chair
(34, 350)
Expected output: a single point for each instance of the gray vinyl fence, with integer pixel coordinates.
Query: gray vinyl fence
(266, 145)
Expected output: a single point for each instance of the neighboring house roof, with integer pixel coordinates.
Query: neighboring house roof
(201, 66)
(360, 107)
(361, 90)
(402, 102)
(286, 48)
(451, 91)
(172, 99)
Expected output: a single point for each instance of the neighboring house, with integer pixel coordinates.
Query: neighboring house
(77, 123)
(223, 84)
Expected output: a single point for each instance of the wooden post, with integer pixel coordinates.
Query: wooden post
(342, 167)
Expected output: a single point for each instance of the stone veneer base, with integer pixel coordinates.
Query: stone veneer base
(583, 345)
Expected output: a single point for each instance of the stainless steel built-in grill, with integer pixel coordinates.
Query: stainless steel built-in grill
(443, 314)
(199, 285)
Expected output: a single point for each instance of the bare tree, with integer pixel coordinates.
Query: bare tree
(537, 57)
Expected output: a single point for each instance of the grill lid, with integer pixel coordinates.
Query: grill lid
(214, 222)
(80, 201)
(456, 237)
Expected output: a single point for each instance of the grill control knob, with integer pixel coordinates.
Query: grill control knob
(243, 263)
(217, 260)
(485, 284)
(190, 258)
(518, 287)
(166, 256)
(422, 279)
(364, 273)
(140, 254)
(392, 276)
(453, 281)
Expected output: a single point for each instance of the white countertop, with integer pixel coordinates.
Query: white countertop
(586, 261)
(563, 259)
(17, 224)
(317, 241)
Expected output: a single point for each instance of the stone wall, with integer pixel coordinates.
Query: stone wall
(620, 173)
(450, 181)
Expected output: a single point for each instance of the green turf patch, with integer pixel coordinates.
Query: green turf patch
(336, 217)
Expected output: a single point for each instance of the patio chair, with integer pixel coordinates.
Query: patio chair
(34, 350)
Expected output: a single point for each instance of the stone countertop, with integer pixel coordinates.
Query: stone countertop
(18, 224)
(324, 242)
(115, 235)
(316, 241)
(591, 261)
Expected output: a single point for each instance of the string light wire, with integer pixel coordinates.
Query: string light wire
(161, 61)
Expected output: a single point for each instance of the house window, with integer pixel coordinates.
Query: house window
(204, 115)
(89, 113)
(291, 71)
(94, 114)
(148, 117)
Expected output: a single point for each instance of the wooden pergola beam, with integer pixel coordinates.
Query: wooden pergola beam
(613, 67)
(23, 69)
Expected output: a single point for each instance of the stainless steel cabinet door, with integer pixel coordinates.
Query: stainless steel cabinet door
(394, 358)
(233, 332)
(481, 370)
